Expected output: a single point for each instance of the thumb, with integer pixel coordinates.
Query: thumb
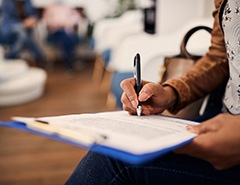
(149, 90)
(208, 126)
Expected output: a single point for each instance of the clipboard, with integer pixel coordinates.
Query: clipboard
(116, 153)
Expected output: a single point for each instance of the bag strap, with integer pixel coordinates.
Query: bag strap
(183, 50)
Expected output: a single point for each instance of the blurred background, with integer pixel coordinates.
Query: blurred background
(68, 57)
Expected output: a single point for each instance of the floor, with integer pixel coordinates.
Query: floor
(31, 159)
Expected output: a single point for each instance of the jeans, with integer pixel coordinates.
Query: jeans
(171, 169)
(20, 38)
(67, 43)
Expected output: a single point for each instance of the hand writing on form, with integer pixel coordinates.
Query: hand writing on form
(153, 96)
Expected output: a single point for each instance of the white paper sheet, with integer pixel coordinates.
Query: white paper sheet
(133, 134)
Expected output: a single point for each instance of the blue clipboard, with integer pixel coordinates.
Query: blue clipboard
(111, 152)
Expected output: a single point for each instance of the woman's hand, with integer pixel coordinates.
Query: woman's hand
(153, 96)
(218, 141)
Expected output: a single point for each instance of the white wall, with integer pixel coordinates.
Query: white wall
(43, 3)
(208, 7)
(173, 13)
(170, 13)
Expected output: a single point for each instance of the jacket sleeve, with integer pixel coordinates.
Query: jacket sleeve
(208, 73)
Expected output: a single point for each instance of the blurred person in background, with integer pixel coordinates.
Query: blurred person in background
(19, 18)
(62, 22)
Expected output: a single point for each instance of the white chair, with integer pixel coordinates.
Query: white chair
(20, 83)
(10, 69)
(108, 33)
(150, 46)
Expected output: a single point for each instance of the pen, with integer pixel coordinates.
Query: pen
(137, 75)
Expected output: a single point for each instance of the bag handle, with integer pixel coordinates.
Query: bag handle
(183, 50)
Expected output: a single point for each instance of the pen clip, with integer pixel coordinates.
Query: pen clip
(138, 85)
(135, 68)
(137, 73)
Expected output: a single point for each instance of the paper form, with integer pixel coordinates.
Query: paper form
(133, 134)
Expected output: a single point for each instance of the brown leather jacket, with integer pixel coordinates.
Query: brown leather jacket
(209, 72)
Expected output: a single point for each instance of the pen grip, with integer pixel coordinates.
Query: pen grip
(137, 89)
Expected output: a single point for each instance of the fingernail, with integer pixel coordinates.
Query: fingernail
(134, 104)
(190, 128)
(143, 96)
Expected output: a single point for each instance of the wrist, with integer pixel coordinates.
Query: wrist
(172, 95)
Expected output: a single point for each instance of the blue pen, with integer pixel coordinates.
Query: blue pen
(137, 75)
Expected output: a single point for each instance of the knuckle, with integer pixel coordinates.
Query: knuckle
(122, 84)
(124, 107)
(124, 100)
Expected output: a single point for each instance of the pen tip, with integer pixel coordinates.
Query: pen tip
(139, 110)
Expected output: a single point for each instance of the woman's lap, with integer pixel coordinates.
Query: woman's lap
(99, 169)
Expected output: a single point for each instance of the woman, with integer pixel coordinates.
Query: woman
(61, 21)
(214, 156)
(18, 20)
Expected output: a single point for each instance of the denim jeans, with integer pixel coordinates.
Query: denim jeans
(66, 43)
(20, 38)
(171, 169)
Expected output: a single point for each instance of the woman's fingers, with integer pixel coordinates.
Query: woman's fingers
(211, 125)
(129, 97)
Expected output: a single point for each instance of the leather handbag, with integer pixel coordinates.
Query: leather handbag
(177, 66)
